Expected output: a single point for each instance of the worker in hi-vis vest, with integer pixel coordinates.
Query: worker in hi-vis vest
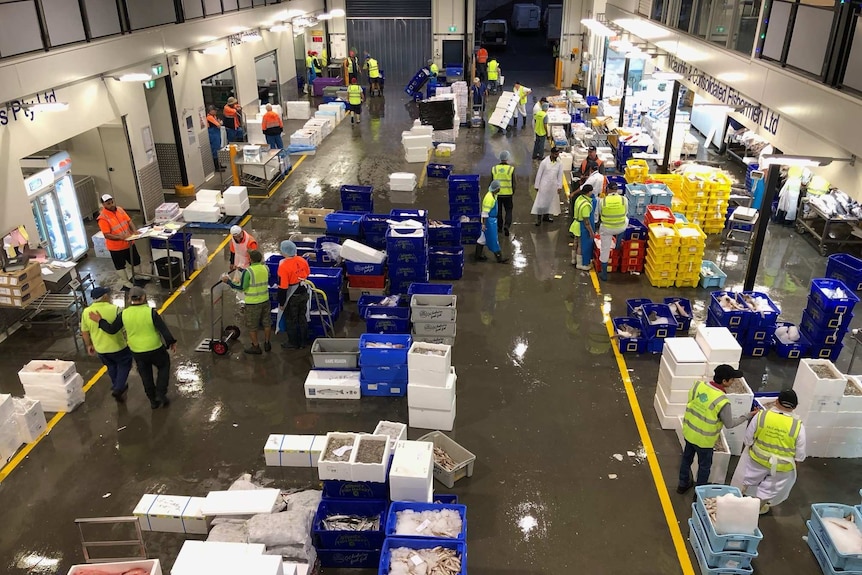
(505, 174)
(254, 284)
(707, 411)
(613, 213)
(355, 97)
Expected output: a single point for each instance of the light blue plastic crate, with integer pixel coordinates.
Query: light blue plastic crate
(719, 559)
(716, 542)
(397, 506)
(821, 511)
(460, 548)
(816, 546)
(698, 546)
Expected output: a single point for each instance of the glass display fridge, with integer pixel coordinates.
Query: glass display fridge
(55, 209)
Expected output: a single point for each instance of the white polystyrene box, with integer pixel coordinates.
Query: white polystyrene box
(51, 390)
(244, 564)
(298, 110)
(720, 463)
(47, 371)
(436, 419)
(235, 195)
(296, 451)
(808, 384)
(421, 130)
(209, 196)
(666, 421)
(852, 403)
(402, 177)
(393, 441)
(337, 470)
(676, 382)
(162, 513)
(718, 344)
(30, 418)
(411, 473)
(735, 437)
(10, 439)
(684, 356)
(418, 360)
(673, 395)
(321, 384)
(316, 447)
(150, 566)
(374, 472)
(239, 503)
(236, 209)
(194, 552)
(272, 450)
(818, 419)
(7, 406)
(668, 408)
(433, 396)
(740, 403)
(357, 252)
(417, 141)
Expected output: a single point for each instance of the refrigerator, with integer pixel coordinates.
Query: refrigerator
(55, 208)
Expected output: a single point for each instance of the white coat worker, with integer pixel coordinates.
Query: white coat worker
(241, 242)
(549, 182)
(612, 210)
(775, 441)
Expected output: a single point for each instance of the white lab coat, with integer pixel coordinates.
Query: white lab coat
(788, 198)
(549, 179)
(754, 479)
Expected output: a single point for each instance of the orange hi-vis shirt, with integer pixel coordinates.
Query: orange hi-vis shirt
(292, 270)
(116, 223)
(271, 120)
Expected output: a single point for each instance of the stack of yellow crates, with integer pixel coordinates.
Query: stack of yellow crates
(672, 181)
(692, 243)
(662, 254)
(718, 196)
(636, 171)
(694, 194)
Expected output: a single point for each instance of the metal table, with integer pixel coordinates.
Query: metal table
(61, 310)
(159, 235)
(264, 174)
(828, 230)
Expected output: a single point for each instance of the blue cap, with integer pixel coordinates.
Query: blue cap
(98, 292)
(288, 248)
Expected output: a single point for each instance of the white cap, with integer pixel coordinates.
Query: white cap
(235, 230)
(106, 197)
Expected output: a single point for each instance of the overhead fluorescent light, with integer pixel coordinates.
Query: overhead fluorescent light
(597, 27)
(667, 76)
(803, 161)
(214, 50)
(49, 107)
(294, 13)
(251, 37)
(278, 28)
(338, 12)
(325, 16)
(134, 77)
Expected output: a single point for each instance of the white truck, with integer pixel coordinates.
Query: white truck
(526, 18)
(553, 23)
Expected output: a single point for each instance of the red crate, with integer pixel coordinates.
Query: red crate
(368, 282)
(635, 264)
(633, 248)
(613, 262)
(655, 208)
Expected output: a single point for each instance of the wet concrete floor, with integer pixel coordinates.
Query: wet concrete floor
(540, 400)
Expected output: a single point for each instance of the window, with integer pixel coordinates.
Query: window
(64, 22)
(658, 10)
(701, 18)
(721, 23)
(19, 28)
(810, 39)
(103, 18)
(746, 26)
(149, 13)
(685, 14)
(776, 30)
(853, 73)
(193, 9)
(212, 7)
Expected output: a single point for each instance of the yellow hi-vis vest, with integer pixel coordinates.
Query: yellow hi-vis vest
(141, 333)
(776, 434)
(539, 123)
(309, 62)
(493, 67)
(701, 425)
(373, 72)
(103, 342)
(522, 95)
(434, 69)
(614, 212)
(354, 94)
(258, 284)
(503, 173)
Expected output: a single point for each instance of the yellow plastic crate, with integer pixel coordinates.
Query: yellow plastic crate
(672, 181)
(691, 250)
(687, 283)
(661, 262)
(718, 182)
(713, 231)
(442, 153)
(658, 280)
(696, 240)
(686, 260)
(656, 242)
(689, 270)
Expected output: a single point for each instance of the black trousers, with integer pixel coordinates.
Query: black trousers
(297, 327)
(160, 359)
(504, 204)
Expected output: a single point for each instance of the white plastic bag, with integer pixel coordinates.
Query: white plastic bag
(736, 515)
(481, 241)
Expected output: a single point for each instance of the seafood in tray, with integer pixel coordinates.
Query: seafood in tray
(436, 561)
(351, 523)
(443, 459)
(429, 523)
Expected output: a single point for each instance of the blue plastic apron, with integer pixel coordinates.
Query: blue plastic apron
(491, 240)
(587, 238)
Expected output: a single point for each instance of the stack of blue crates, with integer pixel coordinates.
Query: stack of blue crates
(638, 197)
(178, 242)
(833, 561)
(407, 251)
(330, 281)
(652, 335)
(373, 228)
(445, 253)
(465, 205)
(357, 199)
(846, 268)
(383, 370)
(827, 318)
(754, 330)
(393, 541)
(659, 194)
(351, 549)
(720, 554)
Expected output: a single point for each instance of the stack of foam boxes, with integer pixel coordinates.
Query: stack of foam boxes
(465, 206)
(434, 318)
(56, 384)
(431, 387)
(417, 143)
(383, 364)
(725, 553)
(10, 438)
(171, 514)
(293, 450)
(235, 200)
(407, 250)
(827, 318)
(753, 329)
(331, 282)
(682, 365)
(445, 253)
(30, 417)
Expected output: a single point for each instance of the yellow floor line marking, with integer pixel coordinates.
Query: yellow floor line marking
(25, 451)
(663, 495)
(424, 170)
(284, 179)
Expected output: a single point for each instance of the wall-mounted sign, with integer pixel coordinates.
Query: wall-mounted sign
(19, 110)
(759, 115)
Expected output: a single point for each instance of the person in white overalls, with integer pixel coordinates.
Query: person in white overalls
(241, 242)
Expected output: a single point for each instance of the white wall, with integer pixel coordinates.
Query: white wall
(446, 13)
(573, 12)
(160, 113)
(88, 158)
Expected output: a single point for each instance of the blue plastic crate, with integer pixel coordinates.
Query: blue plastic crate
(756, 348)
(399, 215)
(343, 223)
(409, 258)
(349, 558)
(714, 281)
(795, 350)
(632, 304)
(401, 285)
(358, 207)
(655, 345)
(382, 388)
(470, 231)
(737, 319)
(845, 268)
(272, 265)
(445, 236)
(438, 170)
(362, 269)
(719, 559)
(471, 209)
(315, 330)
(463, 182)
(816, 546)
(757, 334)
(830, 352)
(837, 305)
(429, 289)
(762, 318)
(684, 322)
(353, 193)
(179, 241)
(837, 560)
(319, 241)
(329, 280)
(376, 356)
(825, 319)
(460, 548)
(658, 331)
(374, 224)
(355, 490)
(716, 542)
(369, 300)
(698, 546)
(397, 506)
(629, 344)
(445, 273)
(446, 498)
(397, 241)
(375, 240)
(818, 335)
(446, 257)
(464, 198)
(363, 540)
(415, 272)
(397, 320)
(636, 230)
(385, 373)
(712, 321)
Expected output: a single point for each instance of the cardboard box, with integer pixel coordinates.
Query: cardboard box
(23, 289)
(26, 299)
(150, 566)
(432, 396)
(32, 271)
(30, 418)
(47, 371)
